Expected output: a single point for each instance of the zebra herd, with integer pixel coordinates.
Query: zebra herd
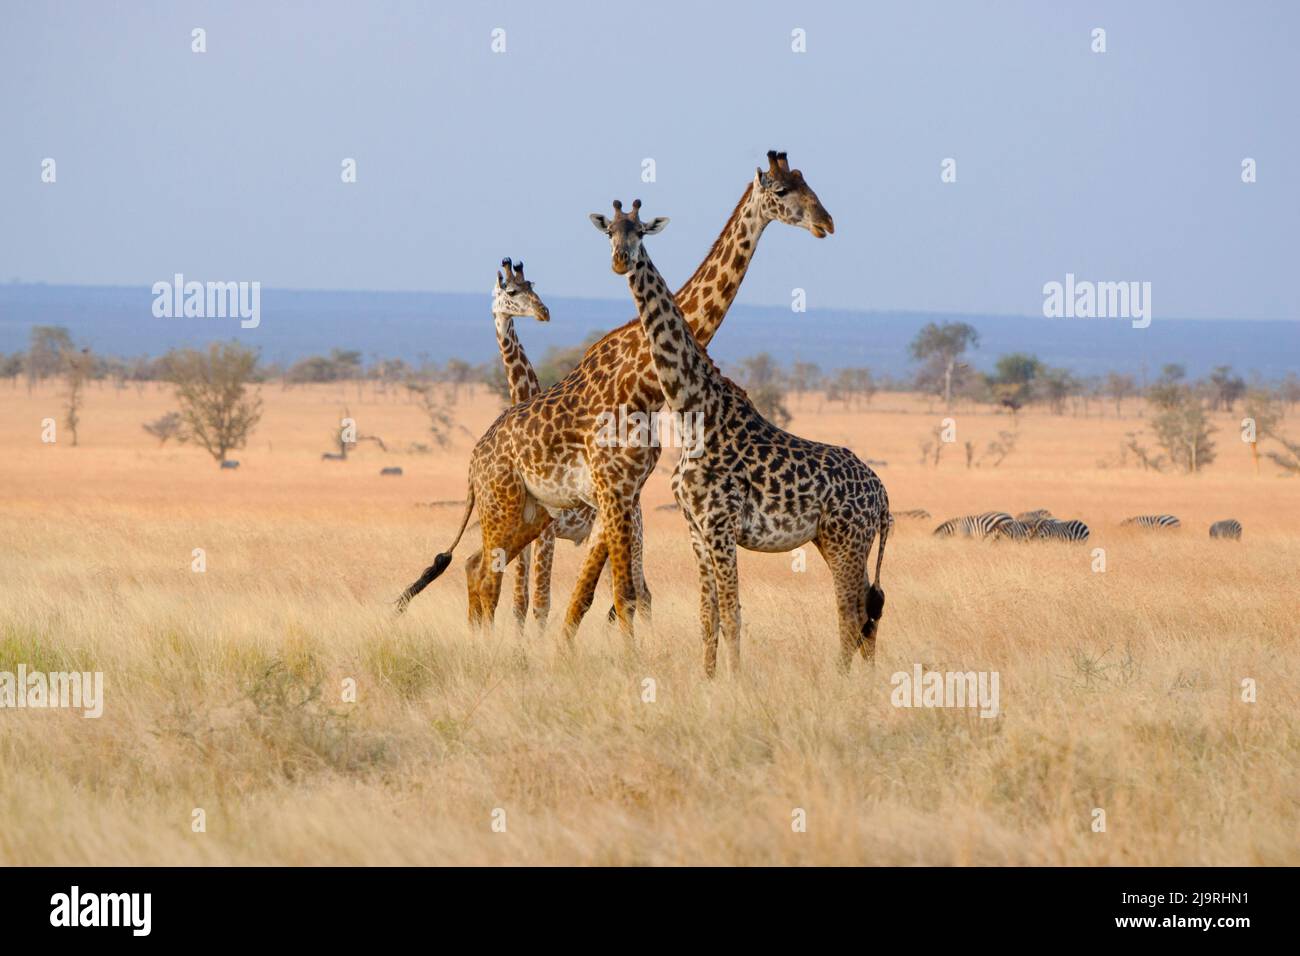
(1026, 526)
(1040, 524)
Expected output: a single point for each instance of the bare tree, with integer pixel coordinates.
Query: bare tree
(165, 427)
(217, 410)
(1288, 461)
(1150, 461)
(433, 406)
(999, 448)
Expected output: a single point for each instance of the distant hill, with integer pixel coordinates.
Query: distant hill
(119, 320)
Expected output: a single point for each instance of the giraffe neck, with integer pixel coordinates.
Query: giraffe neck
(708, 294)
(520, 376)
(684, 370)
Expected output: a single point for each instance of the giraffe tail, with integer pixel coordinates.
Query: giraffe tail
(440, 562)
(875, 597)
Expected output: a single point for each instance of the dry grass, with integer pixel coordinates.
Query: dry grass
(1118, 690)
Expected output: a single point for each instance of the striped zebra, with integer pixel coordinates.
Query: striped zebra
(1012, 530)
(1052, 529)
(1153, 521)
(918, 513)
(1227, 528)
(973, 526)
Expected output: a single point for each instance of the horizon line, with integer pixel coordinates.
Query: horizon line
(10, 283)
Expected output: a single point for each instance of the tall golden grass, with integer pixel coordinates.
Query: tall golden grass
(1120, 691)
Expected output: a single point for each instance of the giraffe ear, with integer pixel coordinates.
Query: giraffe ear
(500, 279)
(600, 222)
(655, 225)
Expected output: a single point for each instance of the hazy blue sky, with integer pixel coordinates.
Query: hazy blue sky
(226, 165)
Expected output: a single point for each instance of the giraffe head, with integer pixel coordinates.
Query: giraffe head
(625, 232)
(514, 295)
(784, 196)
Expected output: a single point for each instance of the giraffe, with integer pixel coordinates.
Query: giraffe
(742, 481)
(544, 455)
(512, 296)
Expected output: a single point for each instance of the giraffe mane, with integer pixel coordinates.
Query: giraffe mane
(699, 271)
(717, 243)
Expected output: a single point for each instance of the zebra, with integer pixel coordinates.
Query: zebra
(919, 513)
(1153, 521)
(1072, 530)
(1013, 530)
(973, 526)
(1227, 528)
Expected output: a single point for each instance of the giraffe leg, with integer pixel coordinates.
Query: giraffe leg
(584, 591)
(845, 549)
(638, 563)
(508, 519)
(522, 568)
(638, 570)
(471, 590)
(618, 536)
(543, 557)
(721, 544)
(509, 542)
(708, 600)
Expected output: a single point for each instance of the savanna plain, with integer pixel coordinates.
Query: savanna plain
(1121, 689)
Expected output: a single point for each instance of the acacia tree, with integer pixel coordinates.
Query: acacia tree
(1263, 414)
(941, 347)
(1183, 430)
(165, 427)
(11, 366)
(1012, 379)
(803, 376)
(1225, 388)
(763, 380)
(45, 356)
(1056, 385)
(77, 367)
(218, 412)
(1119, 387)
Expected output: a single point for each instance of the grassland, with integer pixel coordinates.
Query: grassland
(1119, 690)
